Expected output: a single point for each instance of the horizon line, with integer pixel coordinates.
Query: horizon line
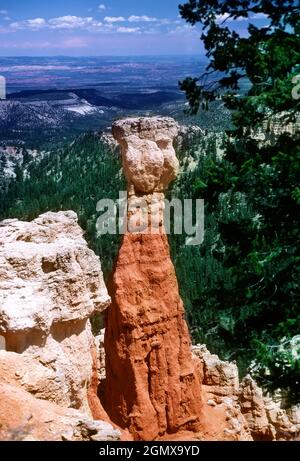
(107, 56)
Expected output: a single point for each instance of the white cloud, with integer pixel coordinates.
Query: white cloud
(38, 22)
(3, 12)
(128, 30)
(70, 22)
(110, 24)
(62, 22)
(186, 28)
(112, 19)
(222, 17)
(102, 7)
(226, 17)
(134, 18)
(33, 24)
(259, 16)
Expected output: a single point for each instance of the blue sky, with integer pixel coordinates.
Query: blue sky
(90, 27)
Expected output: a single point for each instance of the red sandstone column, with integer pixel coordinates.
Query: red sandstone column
(152, 384)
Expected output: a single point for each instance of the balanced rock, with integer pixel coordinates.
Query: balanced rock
(149, 158)
(152, 381)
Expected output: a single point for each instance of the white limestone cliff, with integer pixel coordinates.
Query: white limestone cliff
(50, 285)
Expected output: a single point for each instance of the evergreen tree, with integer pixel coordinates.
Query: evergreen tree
(253, 193)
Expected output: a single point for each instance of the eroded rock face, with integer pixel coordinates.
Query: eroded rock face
(28, 411)
(250, 415)
(266, 416)
(152, 385)
(26, 418)
(253, 407)
(50, 286)
(221, 377)
(222, 415)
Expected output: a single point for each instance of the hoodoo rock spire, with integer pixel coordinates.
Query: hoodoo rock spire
(152, 385)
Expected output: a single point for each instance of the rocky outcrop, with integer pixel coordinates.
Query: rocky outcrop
(152, 382)
(267, 417)
(253, 407)
(50, 286)
(250, 413)
(221, 377)
(223, 418)
(27, 411)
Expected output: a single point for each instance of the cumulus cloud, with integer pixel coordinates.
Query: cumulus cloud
(102, 7)
(226, 17)
(134, 18)
(34, 24)
(128, 30)
(62, 22)
(70, 22)
(38, 22)
(112, 19)
(135, 24)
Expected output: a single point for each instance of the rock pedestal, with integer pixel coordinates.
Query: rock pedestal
(152, 382)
